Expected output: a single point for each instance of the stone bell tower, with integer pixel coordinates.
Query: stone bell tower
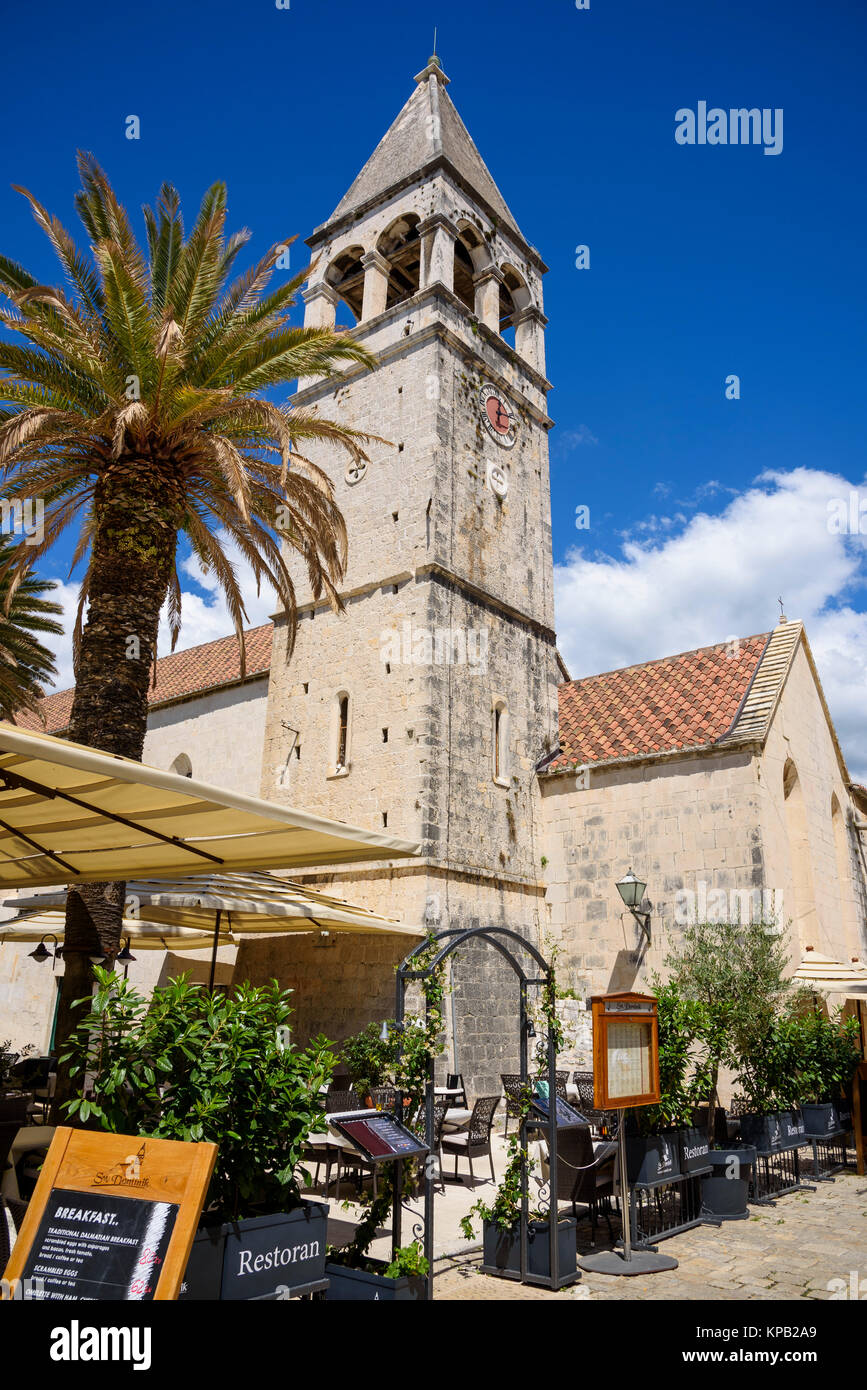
(425, 708)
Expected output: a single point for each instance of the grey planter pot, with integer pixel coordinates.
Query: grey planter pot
(725, 1192)
(501, 1249)
(261, 1257)
(820, 1118)
(371, 1285)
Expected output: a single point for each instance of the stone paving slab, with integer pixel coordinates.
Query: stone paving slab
(792, 1251)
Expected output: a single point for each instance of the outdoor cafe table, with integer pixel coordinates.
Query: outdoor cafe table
(28, 1138)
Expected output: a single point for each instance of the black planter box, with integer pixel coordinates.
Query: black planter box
(653, 1158)
(821, 1119)
(844, 1115)
(763, 1131)
(792, 1129)
(725, 1192)
(371, 1285)
(261, 1257)
(501, 1249)
(694, 1150)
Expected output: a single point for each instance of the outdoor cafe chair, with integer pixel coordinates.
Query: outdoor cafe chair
(584, 1175)
(512, 1088)
(337, 1101)
(455, 1082)
(600, 1120)
(475, 1140)
(13, 1116)
(383, 1097)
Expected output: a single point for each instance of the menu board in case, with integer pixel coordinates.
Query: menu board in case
(379, 1136)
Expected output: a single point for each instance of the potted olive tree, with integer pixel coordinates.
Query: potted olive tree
(825, 1053)
(190, 1064)
(662, 1140)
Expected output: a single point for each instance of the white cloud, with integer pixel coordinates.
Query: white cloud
(720, 577)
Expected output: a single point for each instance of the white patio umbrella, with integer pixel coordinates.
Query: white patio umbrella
(825, 973)
(139, 935)
(243, 903)
(70, 814)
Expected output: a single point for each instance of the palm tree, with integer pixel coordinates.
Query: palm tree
(137, 409)
(24, 662)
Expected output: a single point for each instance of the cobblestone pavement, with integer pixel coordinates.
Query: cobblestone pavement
(793, 1250)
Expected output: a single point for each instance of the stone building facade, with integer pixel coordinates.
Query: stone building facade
(437, 707)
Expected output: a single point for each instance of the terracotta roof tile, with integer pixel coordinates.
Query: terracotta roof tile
(684, 701)
(179, 676)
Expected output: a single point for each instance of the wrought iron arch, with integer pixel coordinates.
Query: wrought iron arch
(501, 939)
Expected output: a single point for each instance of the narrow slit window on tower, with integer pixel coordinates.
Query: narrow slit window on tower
(342, 730)
(298, 752)
(384, 819)
(306, 687)
(500, 743)
(385, 735)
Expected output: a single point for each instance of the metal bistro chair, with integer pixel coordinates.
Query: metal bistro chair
(455, 1082)
(475, 1140)
(383, 1097)
(512, 1088)
(583, 1175)
(441, 1108)
(562, 1081)
(13, 1116)
(599, 1120)
(336, 1101)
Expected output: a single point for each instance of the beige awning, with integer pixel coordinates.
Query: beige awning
(247, 903)
(825, 973)
(141, 935)
(70, 814)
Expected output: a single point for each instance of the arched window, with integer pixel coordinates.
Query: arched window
(500, 743)
(345, 275)
(844, 878)
(340, 739)
(514, 295)
(401, 247)
(803, 911)
(471, 255)
(182, 766)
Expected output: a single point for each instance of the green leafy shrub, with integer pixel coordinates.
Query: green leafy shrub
(370, 1059)
(823, 1052)
(195, 1065)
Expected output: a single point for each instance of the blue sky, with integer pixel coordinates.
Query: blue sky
(704, 261)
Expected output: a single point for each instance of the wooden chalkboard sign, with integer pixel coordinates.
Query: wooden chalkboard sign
(625, 1051)
(113, 1218)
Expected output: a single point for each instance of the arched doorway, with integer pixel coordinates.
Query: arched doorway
(516, 952)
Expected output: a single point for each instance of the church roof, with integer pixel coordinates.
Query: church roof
(691, 701)
(427, 129)
(178, 676)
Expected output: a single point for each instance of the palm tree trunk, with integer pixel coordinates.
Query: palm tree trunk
(92, 913)
(133, 554)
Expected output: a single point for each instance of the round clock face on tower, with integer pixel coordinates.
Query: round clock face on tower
(498, 416)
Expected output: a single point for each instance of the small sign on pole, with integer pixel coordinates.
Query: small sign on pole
(112, 1218)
